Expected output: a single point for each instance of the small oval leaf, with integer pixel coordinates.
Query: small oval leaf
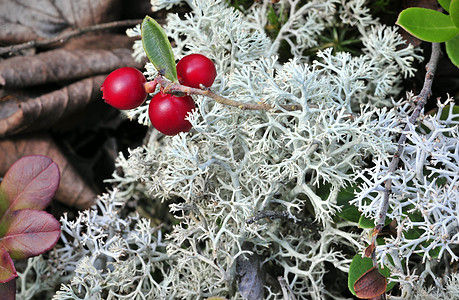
(454, 12)
(30, 182)
(427, 24)
(359, 266)
(158, 48)
(30, 233)
(7, 270)
(445, 4)
(452, 49)
(370, 285)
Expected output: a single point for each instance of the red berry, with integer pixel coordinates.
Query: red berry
(123, 88)
(196, 69)
(167, 113)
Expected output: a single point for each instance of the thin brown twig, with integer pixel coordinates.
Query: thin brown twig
(169, 87)
(421, 102)
(67, 35)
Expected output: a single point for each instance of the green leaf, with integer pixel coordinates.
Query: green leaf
(445, 4)
(348, 212)
(454, 12)
(158, 48)
(452, 49)
(365, 222)
(359, 266)
(427, 24)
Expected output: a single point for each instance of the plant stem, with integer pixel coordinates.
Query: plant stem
(169, 87)
(67, 35)
(421, 100)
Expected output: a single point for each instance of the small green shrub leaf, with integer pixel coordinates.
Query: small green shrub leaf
(365, 222)
(348, 212)
(454, 12)
(158, 48)
(427, 24)
(445, 4)
(358, 267)
(452, 49)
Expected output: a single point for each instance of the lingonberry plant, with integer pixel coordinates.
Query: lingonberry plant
(25, 229)
(124, 88)
(289, 175)
(196, 69)
(168, 113)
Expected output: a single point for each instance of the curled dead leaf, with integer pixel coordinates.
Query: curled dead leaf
(24, 20)
(61, 65)
(370, 285)
(30, 114)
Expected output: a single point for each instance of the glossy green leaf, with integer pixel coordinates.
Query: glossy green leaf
(348, 212)
(365, 222)
(427, 24)
(345, 195)
(359, 266)
(416, 232)
(454, 12)
(158, 48)
(445, 4)
(452, 49)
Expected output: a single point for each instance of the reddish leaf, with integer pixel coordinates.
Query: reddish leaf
(370, 285)
(8, 290)
(7, 270)
(30, 233)
(73, 190)
(31, 182)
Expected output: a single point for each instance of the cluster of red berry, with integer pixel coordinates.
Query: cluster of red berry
(124, 89)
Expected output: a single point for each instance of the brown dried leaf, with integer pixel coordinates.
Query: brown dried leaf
(106, 41)
(60, 65)
(370, 285)
(369, 250)
(73, 191)
(19, 115)
(24, 20)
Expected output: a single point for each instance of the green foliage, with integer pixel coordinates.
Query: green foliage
(433, 26)
(341, 39)
(427, 24)
(445, 4)
(359, 266)
(158, 48)
(452, 49)
(454, 12)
